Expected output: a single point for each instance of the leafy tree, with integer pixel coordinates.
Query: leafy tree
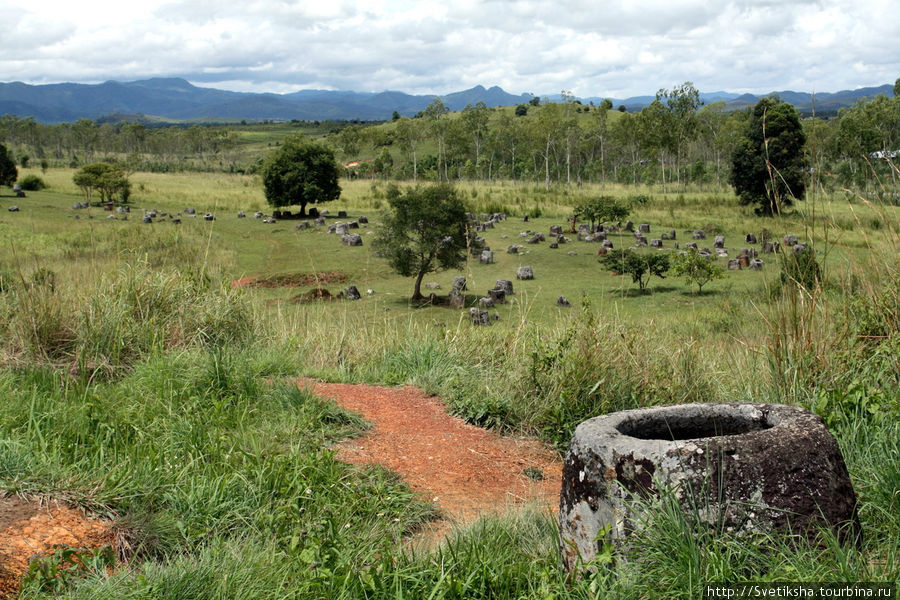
(696, 269)
(768, 165)
(603, 209)
(8, 171)
(897, 88)
(606, 104)
(108, 180)
(423, 231)
(521, 110)
(300, 172)
(641, 267)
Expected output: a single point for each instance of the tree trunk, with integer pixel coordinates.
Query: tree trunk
(417, 290)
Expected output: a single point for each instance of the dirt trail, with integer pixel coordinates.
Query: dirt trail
(465, 470)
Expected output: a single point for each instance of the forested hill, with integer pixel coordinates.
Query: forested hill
(179, 100)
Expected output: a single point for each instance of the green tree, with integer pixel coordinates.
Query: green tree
(897, 88)
(8, 171)
(300, 172)
(641, 267)
(768, 167)
(424, 230)
(696, 269)
(108, 180)
(603, 209)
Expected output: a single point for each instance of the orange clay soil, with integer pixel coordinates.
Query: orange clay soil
(30, 528)
(465, 470)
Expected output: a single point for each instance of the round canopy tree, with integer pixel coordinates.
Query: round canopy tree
(768, 166)
(423, 231)
(300, 172)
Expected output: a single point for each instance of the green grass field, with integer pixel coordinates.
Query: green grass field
(139, 383)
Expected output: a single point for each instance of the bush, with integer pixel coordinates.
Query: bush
(32, 183)
(801, 268)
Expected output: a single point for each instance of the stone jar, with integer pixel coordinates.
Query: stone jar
(743, 468)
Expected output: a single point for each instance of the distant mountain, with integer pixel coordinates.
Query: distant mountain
(173, 99)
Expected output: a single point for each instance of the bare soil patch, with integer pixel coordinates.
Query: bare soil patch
(30, 528)
(466, 471)
(291, 280)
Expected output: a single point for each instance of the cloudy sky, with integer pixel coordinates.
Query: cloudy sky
(589, 47)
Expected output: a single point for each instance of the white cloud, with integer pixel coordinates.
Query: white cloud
(594, 49)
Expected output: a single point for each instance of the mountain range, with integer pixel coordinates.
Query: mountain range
(177, 100)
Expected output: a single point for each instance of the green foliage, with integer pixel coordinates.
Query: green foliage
(8, 171)
(108, 180)
(300, 172)
(640, 266)
(801, 268)
(768, 166)
(423, 231)
(33, 183)
(603, 209)
(57, 572)
(696, 269)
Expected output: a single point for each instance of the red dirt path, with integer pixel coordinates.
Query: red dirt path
(465, 470)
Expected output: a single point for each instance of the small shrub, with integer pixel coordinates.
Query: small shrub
(801, 268)
(32, 183)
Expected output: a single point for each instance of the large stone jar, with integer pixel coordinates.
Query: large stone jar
(746, 467)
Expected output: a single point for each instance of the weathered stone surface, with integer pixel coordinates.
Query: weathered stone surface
(790, 239)
(487, 257)
(479, 317)
(459, 283)
(640, 240)
(756, 264)
(319, 221)
(209, 217)
(457, 300)
(302, 225)
(537, 237)
(747, 467)
(241, 214)
(644, 228)
(486, 302)
(351, 293)
(363, 220)
(629, 225)
(432, 285)
(607, 244)
(554, 245)
(341, 228)
(13, 209)
(190, 211)
(342, 214)
(524, 273)
(498, 296)
(734, 264)
(719, 242)
(690, 245)
(556, 230)
(504, 284)
(656, 243)
(514, 249)
(771, 247)
(699, 234)
(353, 224)
(750, 238)
(563, 301)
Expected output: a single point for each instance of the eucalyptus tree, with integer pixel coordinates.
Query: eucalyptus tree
(409, 132)
(435, 114)
(475, 122)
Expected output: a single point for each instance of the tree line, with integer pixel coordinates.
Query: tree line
(675, 141)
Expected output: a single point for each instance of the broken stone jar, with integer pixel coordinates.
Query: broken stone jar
(743, 468)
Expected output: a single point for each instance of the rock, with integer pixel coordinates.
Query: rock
(656, 243)
(497, 296)
(721, 253)
(607, 244)
(524, 273)
(719, 242)
(479, 317)
(302, 225)
(671, 234)
(112, 217)
(699, 234)
(13, 209)
(209, 217)
(525, 219)
(319, 220)
(363, 220)
(554, 245)
(744, 261)
(690, 245)
(190, 211)
(341, 228)
(644, 228)
(750, 238)
(267, 220)
(457, 300)
(353, 224)
(148, 219)
(770, 247)
(485, 303)
(798, 248)
(351, 293)
(556, 230)
(561, 239)
(537, 237)
(342, 214)
(640, 240)
(750, 468)
(751, 252)
(432, 285)
(514, 249)
(487, 257)
(314, 213)
(572, 253)
(790, 239)
(352, 239)
(562, 301)
(174, 221)
(459, 284)
(504, 284)
(734, 264)
(257, 215)
(756, 264)
(241, 214)
(629, 225)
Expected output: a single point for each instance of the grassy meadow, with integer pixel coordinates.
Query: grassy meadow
(140, 384)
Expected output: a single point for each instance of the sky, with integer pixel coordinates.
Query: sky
(590, 48)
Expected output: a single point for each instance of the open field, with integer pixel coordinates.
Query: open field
(140, 384)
